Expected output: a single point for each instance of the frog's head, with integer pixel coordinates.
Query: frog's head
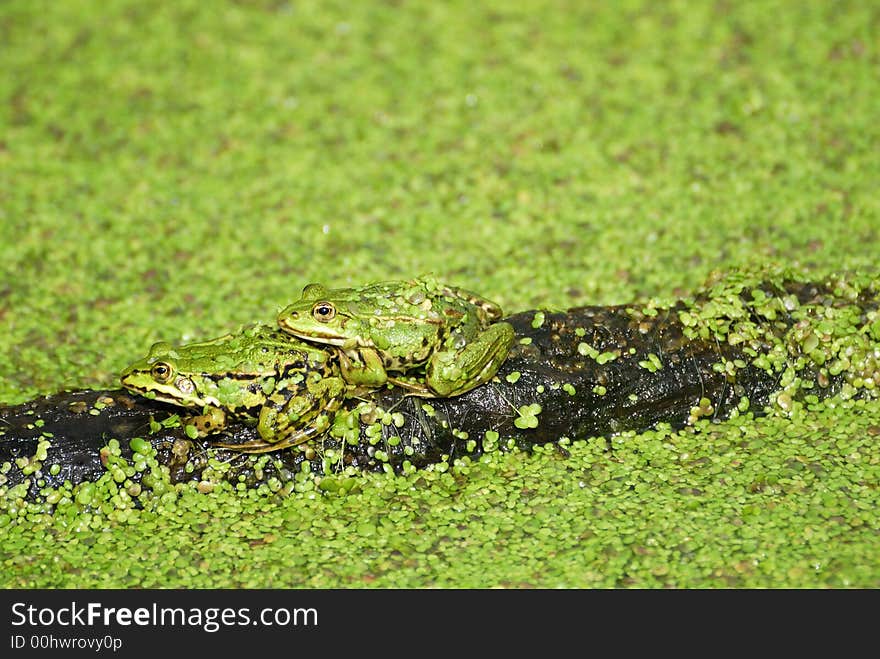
(159, 376)
(321, 315)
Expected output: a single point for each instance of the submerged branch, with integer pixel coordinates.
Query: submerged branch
(745, 344)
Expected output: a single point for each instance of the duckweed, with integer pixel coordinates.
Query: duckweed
(617, 523)
(528, 416)
(528, 129)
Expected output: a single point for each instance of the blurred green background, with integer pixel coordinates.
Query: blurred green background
(173, 170)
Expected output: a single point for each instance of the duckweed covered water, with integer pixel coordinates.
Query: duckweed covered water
(170, 171)
(749, 503)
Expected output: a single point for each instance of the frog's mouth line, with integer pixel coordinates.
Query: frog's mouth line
(163, 395)
(329, 339)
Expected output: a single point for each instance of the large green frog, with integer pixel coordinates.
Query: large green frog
(258, 374)
(399, 326)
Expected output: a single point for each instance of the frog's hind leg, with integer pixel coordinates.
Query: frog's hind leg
(275, 424)
(454, 372)
(256, 446)
(262, 446)
(413, 387)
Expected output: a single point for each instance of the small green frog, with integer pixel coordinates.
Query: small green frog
(258, 374)
(402, 325)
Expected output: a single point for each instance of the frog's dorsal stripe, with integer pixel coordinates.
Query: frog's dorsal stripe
(404, 318)
(233, 375)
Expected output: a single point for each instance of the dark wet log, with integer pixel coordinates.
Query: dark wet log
(593, 371)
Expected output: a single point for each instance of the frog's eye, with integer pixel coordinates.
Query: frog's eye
(161, 372)
(324, 312)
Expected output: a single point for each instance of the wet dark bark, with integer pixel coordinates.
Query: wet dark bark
(579, 397)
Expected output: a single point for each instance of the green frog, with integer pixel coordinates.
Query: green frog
(260, 374)
(399, 326)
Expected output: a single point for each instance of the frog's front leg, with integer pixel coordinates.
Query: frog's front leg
(454, 372)
(362, 366)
